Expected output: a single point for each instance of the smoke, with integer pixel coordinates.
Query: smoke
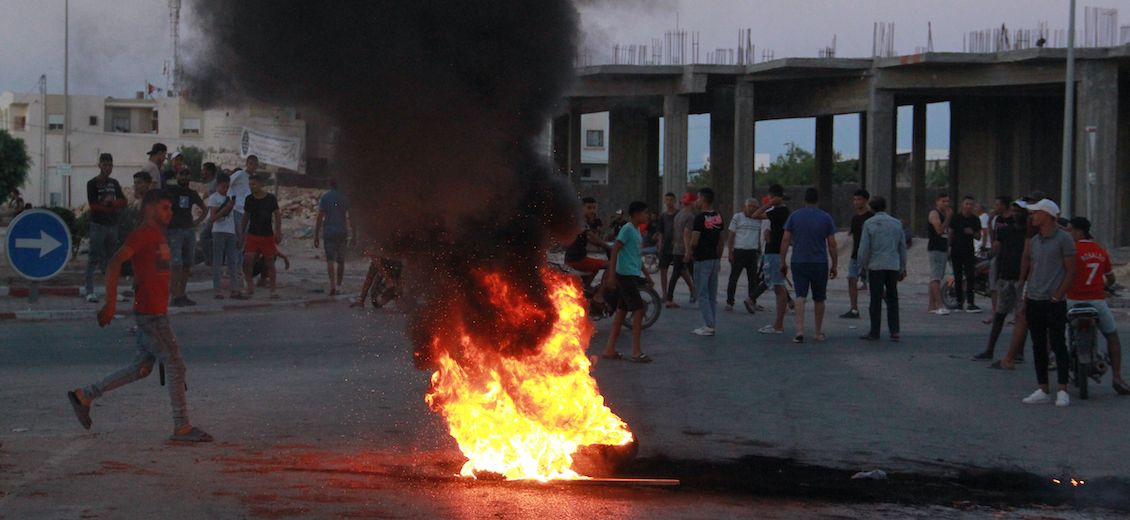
(439, 106)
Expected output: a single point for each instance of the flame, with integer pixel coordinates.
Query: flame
(523, 416)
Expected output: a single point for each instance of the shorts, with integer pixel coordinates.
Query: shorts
(1106, 318)
(628, 293)
(182, 246)
(263, 246)
(993, 274)
(938, 260)
(587, 264)
(665, 260)
(773, 265)
(811, 275)
(853, 268)
(1008, 295)
(335, 248)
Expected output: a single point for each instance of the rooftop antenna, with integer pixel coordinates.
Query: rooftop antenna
(174, 20)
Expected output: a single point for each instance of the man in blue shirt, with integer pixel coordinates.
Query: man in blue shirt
(812, 234)
(882, 254)
(333, 223)
(623, 278)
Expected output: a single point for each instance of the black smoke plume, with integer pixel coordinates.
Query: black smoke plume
(439, 105)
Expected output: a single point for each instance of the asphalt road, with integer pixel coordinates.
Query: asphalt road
(318, 412)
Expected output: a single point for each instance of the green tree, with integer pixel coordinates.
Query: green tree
(797, 167)
(938, 177)
(194, 159)
(13, 164)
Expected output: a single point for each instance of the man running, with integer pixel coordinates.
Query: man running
(106, 200)
(148, 249)
(859, 202)
(813, 232)
(965, 229)
(777, 213)
(706, 252)
(1094, 272)
(744, 246)
(263, 222)
(937, 249)
(1051, 268)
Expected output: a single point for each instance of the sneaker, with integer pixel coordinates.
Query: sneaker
(729, 308)
(1038, 397)
(750, 306)
(1062, 399)
(942, 312)
(960, 307)
(703, 331)
(92, 298)
(972, 309)
(177, 302)
(851, 315)
(768, 329)
(187, 302)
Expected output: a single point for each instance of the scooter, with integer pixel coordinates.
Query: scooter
(1087, 360)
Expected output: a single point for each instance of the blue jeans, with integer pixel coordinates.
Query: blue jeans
(155, 341)
(182, 246)
(706, 283)
(224, 251)
(103, 242)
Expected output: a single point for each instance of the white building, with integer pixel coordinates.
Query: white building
(126, 128)
(594, 148)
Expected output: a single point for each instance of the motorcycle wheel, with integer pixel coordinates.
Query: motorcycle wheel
(949, 296)
(652, 306)
(1082, 376)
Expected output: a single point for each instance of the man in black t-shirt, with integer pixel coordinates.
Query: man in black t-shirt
(182, 235)
(965, 227)
(859, 202)
(576, 255)
(263, 222)
(1009, 236)
(777, 214)
(706, 251)
(106, 200)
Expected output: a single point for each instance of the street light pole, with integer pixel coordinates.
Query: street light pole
(1067, 179)
(66, 95)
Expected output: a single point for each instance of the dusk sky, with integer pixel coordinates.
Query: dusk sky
(116, 47)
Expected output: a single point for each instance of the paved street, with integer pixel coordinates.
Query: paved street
(318, 412)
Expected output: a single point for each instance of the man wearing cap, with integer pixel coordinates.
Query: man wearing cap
(680, 237)
(157, 155)
(106, 200)
(777, 213)
(169, 177)
(1049, 273)
(1089, 288)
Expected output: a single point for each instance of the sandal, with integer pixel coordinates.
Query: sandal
(998, 365)
(1121, 388)
(895, 338)
(237, 296)
(821, 337)
(612, 356)
(799, 338)
(82, 411)
(642, 358)
(193, 435)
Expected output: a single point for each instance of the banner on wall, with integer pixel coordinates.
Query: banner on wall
(274, 150)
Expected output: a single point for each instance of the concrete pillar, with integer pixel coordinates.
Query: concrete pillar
(722, 147)
(1096, 138)
(573, 159)
(744, 149)
(825, 159)
(880, 173)
(652, 194)
(957, 120)
(863, 148)
(675, 111)
(629, 136)
(918, 197)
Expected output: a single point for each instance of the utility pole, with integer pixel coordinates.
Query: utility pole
(66, 96)
(43, 140)
(1067, 179)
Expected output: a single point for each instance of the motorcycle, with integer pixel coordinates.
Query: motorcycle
(980, 283)
(598, 310)
(1088, 362)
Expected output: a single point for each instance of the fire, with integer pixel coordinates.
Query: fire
(522, 416)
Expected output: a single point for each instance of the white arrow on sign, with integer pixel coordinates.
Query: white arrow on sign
(45, 243)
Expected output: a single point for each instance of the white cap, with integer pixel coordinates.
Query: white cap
(174, 156)
(1045, 205)
(1023, 204)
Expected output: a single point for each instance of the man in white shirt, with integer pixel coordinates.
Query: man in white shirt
(157, 155)
(744, 246)
(224, 250)
(241, 188)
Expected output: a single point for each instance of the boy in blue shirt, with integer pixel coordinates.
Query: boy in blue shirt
(623, 278)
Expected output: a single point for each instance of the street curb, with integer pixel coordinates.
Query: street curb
(76, 291)
(59, 315)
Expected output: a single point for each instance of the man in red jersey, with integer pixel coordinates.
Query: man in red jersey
(148, 250)
(1093, 273)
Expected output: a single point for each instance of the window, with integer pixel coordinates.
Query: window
(594, 174)
(118, 120)
(93, 120)
(594, 138)
(19, 123)
(54, 122)
(154, 127)
(190, 126)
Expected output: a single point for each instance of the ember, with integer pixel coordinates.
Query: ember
(523, 416)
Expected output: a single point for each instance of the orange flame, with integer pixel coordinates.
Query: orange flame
(524, 417)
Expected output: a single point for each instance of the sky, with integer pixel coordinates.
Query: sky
(118, 46)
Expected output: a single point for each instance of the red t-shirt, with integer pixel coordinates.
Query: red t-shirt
(1091, 264)
(150, 269)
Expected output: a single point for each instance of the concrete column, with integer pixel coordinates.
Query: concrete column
(918, 196)
(573, 159)
(863, 148)
(744, 149)
(957, 111)
(652, 194)
(825, 158)
(880, 173)
(675, 111)
(722, 148)
(628, 147)
(1096, 155)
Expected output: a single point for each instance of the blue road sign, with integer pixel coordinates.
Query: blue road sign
(38, 244)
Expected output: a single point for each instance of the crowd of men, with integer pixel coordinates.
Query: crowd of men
(1038, 265)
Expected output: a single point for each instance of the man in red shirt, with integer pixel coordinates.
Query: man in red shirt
(148, 251)
(1088, 286)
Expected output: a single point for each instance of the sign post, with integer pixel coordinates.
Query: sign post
(38, 247)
